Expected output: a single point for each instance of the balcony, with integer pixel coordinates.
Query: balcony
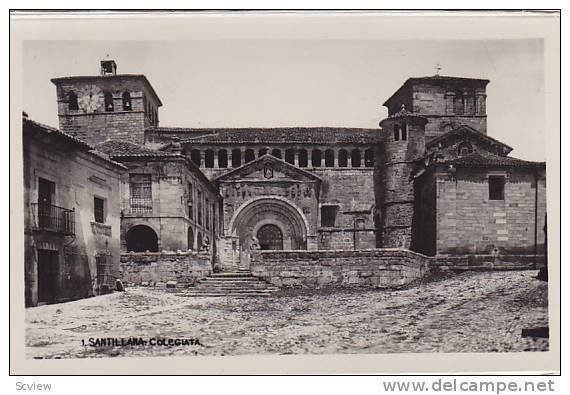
(53, 218)
(141, 205)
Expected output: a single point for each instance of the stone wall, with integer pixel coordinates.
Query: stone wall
(375, 268)
(97, 126)
(352, 191)
(488, 262)
(174, 185)
(430, 99)
(78, 176)
(469, 223)
(183, 267)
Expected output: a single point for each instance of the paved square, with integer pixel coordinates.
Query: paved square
(469, 312)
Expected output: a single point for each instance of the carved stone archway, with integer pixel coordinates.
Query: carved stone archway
(256, 214)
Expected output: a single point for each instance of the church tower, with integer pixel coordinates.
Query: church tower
(106, 106)
(404, 144)
(447, 102)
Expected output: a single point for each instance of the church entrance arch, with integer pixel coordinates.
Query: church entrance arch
(268, 223)
(270, 237)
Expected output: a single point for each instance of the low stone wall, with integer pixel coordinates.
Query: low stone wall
(488, 262)
(375, 268)
(160, 267)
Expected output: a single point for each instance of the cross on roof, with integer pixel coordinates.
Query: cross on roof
(437, 69)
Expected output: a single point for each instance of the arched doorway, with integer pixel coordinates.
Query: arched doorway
(270, 237)
(141, 238)
(273, 222)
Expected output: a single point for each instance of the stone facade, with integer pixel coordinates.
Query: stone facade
(157, 269)
(419, 182)
(377, 268)
(84, 111)
(468, 222)
(181, 208)
(447, 102)
(70, 252)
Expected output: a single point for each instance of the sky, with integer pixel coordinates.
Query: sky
(267, 83)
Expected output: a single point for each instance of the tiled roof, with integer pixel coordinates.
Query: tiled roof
(435, 79)
(28, 124)
(182, 132)
(120, 148)
(403, 113)
(463, 130)
(317, 135)
(483, 159)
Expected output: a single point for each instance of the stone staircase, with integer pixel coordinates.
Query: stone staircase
(238, 283)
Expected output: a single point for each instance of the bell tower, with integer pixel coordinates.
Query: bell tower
(107, 106)
(404, 144)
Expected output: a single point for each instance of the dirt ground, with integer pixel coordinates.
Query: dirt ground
(468, 312)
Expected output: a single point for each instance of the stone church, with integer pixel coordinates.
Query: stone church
(429, 180)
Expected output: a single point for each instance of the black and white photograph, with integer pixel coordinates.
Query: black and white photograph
(210, 194)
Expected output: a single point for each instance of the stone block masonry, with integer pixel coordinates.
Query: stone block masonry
(161, 267)
(374, 268)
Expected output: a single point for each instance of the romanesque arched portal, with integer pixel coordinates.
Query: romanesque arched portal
(268, 217)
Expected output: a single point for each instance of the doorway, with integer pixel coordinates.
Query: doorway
(47, 276)
(270, 237)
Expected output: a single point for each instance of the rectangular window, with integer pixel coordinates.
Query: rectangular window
(141, 193)
(99, 209)
(328, 216)
(496, 188)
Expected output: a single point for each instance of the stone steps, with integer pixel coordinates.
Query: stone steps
(237, 283)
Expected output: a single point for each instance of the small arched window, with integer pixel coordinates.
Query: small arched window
(369, 158)
(355, 158)
(109, 107)
(127, 101)
(236, 158)
(276, 153)
(303, 158)
(222, 158)
(329, 158)
(209, 158)
(404, 131)
(342, 158)
(262, 152)
(316, 158)
(72, 103)
(290, 156)
(249, 155)
(195, 157)
(396, 132)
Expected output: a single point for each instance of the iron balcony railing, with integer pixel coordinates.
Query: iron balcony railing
(141, 205)
(53, 218)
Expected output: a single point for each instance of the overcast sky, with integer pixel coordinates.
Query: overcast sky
(239, 83)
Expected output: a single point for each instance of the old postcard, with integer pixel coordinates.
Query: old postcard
(265, 192)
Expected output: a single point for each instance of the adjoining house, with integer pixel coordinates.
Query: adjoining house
(71, 217)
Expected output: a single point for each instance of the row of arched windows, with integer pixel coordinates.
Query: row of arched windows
(297, 157)
(73, 103)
